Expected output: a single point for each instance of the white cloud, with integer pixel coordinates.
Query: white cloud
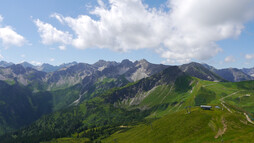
(1, 18)
(50, 34)
(229, 59)
(1, 57)
(58, 17)
(189, 30)
(36, 63)
(9, 37)
(101, 3)
(249, 56)
(23, 56)
(62, 48)
(52, 60)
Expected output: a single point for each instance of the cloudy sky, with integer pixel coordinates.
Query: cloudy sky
(217, 32)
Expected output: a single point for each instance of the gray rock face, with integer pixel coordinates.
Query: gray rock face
(200, 71)
(101, 64)
(47, 67)
(66, 77)
(132, 71)
(19, 74)
(70, 74)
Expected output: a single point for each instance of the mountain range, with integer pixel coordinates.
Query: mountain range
(108, 100)
(140, 69)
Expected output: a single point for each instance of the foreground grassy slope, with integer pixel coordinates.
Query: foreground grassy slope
(198, 126)
(69, 140)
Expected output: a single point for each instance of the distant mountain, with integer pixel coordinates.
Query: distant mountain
(47, 68)
(249, 71)
(5, 64)
(200, 71)
(66, 75)
(66, 65)
(69, 76)
(27, 65)
(101, 64)
(50, 68)
(143, 69)
(134, 71)
(234, 75)
(230, 74)
(20, 74)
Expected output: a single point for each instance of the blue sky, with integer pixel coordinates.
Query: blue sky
(220, 33)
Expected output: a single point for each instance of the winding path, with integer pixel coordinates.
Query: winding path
(222, 100)
(222, 103)
(220, 131)
(248, 118)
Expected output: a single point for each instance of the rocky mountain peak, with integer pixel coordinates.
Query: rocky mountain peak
(143, 62)
(26, 64)
(68, 64)
(126, 62)
(18, 69)
(5, 64)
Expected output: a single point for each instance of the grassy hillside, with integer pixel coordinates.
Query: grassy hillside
(20, 105)
(198, 126)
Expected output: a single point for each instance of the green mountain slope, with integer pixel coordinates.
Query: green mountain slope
(198, 126)
(171, 123)
(227, 124)
(19, 106)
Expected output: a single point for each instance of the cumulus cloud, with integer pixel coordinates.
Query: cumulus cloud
(50, 34)
(9, 37)
(249, 56)
(230, 59)
(189, 30)
(62, 48)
